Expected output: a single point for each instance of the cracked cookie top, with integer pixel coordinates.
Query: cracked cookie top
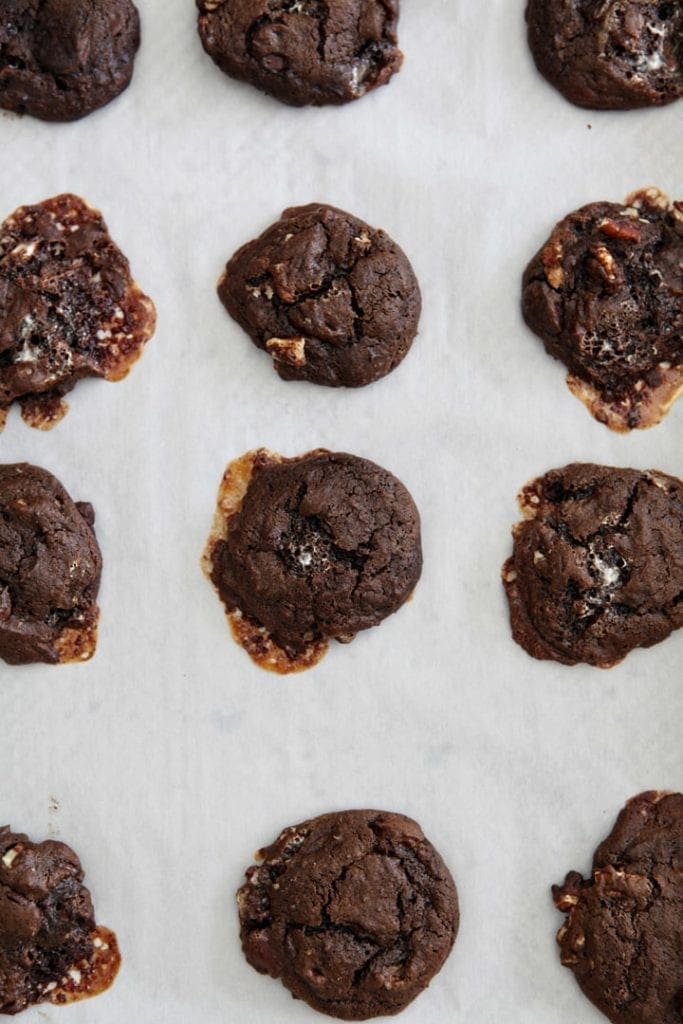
(309, 549)
(304, 51)
(51, 950)
(62, 59)
(50, 567)
(354, 911)
(622, 937)
(609, 54)
(597, 564)
(69, 307)
(605, 294)
(332, 300)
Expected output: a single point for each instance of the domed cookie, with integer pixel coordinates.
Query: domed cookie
(50, 567)
(51, 950)
(622, 936)
(354, 911)
(310, 549)
(609, 54)
(304, 51)
(605, 295)
(331, 299)
(597, 564)
(68, 307)
(62, 59)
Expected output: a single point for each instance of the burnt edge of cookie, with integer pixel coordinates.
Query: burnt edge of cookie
(251, 635)
(116, 340)
(44, 973)
(639, 403)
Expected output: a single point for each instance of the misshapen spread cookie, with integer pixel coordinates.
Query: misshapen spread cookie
(355, 912)
(609, 54)
(310, 549)
(304, 51)
(50, 567)
(62, 59)
(605, 294)
(622, 937)
(597, 564)
(51, 950)
(331, 299)
(68, 307)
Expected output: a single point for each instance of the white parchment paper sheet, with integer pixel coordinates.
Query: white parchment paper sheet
(168, 759)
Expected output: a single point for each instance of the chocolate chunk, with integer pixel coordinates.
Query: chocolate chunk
(68, 306)
(50, 947)
(331, 299)
(605, 294)
(304, 51)
(310, 549)
(609, 54)
(355, 912)
(50, 567)
(62, 59)
(622, 937)
(597, 564)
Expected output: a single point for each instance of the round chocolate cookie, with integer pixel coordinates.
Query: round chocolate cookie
(331, 299)
(68, 306)
(597, 564)
(50, 948)
(50, 568)
(304, 51)
(609, 54)
(62, 59)
(605, 294)
(310, 549)
(355, 912)
(622, 937)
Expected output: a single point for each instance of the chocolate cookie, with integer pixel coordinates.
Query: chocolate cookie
(51, 950)
(331, 299)
(304, 51)
(68, 307)
(609, 54)
(62, 59)
(308, 549)
(355, 912)
(50, 568)
(605, 294)
(622, 938)
(597, 564)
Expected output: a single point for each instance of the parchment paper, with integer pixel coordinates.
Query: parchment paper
(170, 758)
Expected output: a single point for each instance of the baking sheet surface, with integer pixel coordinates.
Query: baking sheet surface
(168, 759)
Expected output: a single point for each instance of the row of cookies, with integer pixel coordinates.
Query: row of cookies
(62, 59)
(320, 547)
(356, 912)
(335, 301)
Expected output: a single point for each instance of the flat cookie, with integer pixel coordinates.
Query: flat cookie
(62, 59)
(68, 307)
(597, 564)
(310, 549)
(51, 950)
(50, 567)
(332, 300)
(355, 912)
(605, 295)
(609, 54)
(304, 51)
(622, 937)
